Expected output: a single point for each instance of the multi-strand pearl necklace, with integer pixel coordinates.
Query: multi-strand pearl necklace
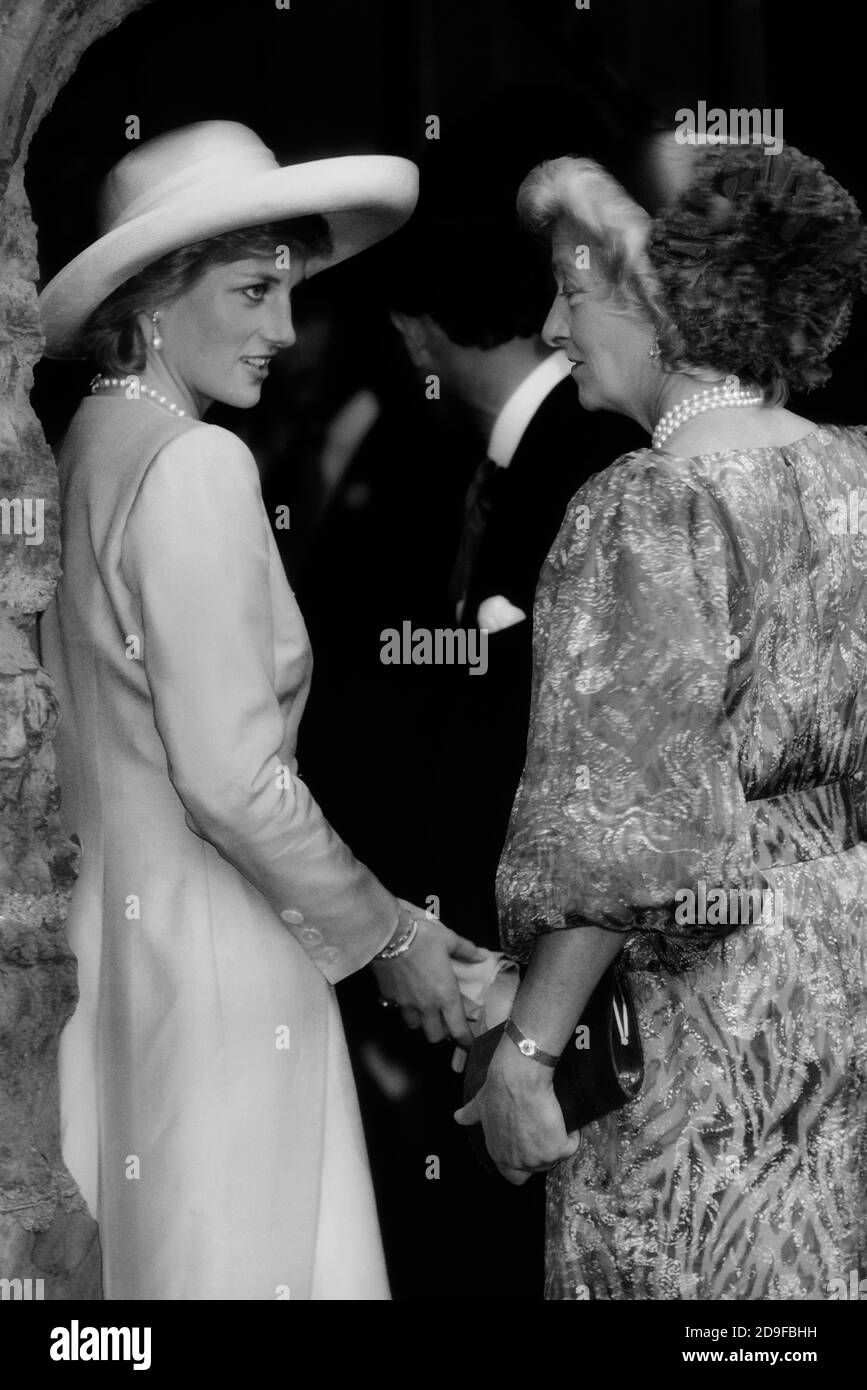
(730, 395)
(104, 383)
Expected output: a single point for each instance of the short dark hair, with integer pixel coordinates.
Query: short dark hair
(112, 336)
(482, 280)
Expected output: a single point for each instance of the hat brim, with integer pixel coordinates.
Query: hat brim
(364, 198)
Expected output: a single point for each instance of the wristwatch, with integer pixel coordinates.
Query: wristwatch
(527, 1046)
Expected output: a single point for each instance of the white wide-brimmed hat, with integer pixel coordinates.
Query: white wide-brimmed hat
(213, 177)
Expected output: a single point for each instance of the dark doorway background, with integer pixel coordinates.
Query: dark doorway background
(510, 82)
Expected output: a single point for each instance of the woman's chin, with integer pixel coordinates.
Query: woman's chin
(240, 397)
(586, 395)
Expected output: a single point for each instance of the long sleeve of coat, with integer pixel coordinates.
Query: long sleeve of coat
(196, 554)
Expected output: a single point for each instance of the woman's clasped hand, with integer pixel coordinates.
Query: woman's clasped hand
(422, 982)
(523, 1123)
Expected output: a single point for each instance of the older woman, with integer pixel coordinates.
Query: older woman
(699, 722)
(208, 1107)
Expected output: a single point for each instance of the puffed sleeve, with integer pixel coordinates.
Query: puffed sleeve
(630, 791)
(195, 554)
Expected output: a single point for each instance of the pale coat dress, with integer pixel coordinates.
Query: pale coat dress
(215, 907)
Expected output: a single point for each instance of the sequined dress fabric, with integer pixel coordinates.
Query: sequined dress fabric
(699, 723)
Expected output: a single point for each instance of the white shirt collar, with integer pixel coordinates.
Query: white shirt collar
(522, 405)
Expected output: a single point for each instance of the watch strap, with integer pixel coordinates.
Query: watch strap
(527, 1046)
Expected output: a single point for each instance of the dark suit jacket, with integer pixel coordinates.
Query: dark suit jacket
(484, 723)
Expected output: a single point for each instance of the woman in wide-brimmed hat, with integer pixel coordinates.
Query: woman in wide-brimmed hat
(208, 1108)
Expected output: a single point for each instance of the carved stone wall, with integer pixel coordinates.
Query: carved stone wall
(46, 1232)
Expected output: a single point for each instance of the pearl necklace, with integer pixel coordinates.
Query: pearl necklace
(104, 383)
(730, 395)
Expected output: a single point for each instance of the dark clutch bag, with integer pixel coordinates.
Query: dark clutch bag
(589, 1080)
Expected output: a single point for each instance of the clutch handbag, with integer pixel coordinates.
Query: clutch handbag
(601, 1069)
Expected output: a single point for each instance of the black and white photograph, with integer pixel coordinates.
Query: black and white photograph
(433, 672)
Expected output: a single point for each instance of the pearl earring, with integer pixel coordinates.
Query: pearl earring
(653, 350)
(157, 340)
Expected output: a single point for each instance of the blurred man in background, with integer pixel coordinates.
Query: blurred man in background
(468, 297)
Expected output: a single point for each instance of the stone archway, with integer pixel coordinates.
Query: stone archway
(46, 1232)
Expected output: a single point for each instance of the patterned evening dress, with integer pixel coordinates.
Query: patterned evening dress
(699, 722)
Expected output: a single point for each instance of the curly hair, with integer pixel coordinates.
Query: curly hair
(758, 262)
(603, 217)
(753, 268)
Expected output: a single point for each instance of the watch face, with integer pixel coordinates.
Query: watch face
(527, 1047)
